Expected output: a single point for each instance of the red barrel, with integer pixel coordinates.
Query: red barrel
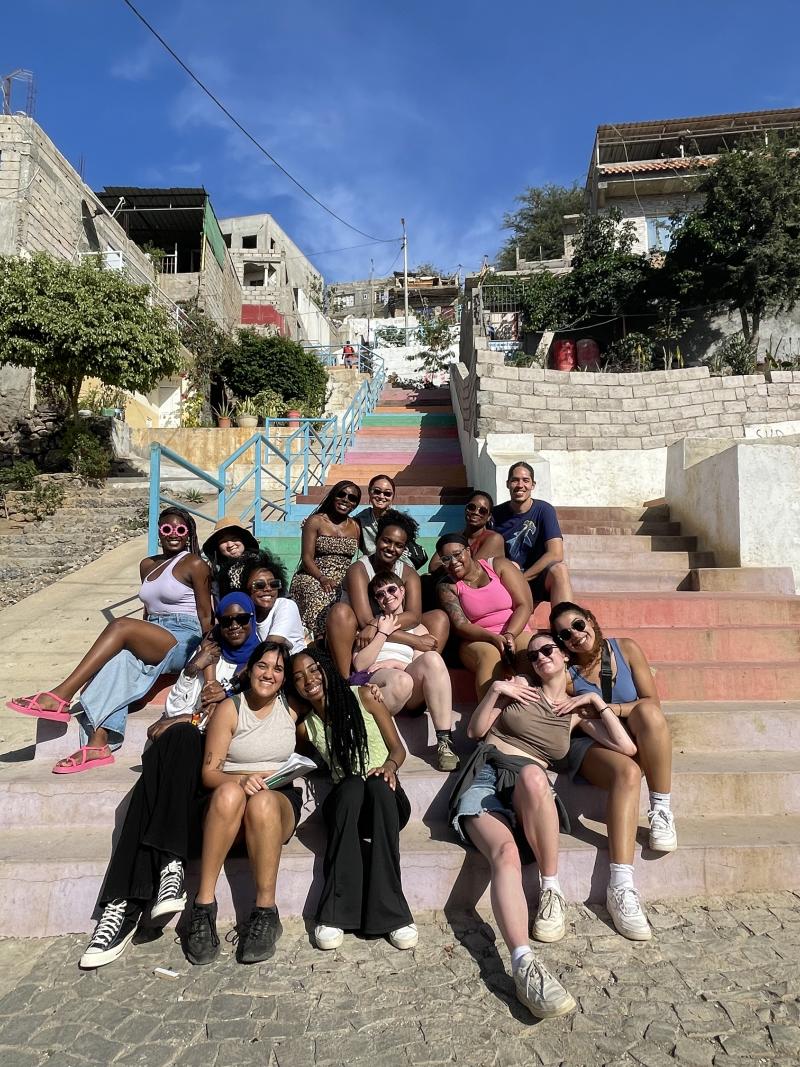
(562, 355)
(588, 352)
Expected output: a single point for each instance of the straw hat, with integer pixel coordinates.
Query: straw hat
(232, 526)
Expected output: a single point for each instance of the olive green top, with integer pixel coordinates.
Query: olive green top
(317, 730)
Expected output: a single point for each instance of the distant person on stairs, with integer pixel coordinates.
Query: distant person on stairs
(130, 654)
(533, 537)
(162, 823)
(329, 542)
(352, 619)
(615, 673)
(408, 678)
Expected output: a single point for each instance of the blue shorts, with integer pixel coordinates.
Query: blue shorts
(479, 798)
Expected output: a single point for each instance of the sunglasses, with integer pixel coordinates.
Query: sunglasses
(390, 589)
(381, 492)
(167, 529)
(352, 497)
(453, 557)
(542, 650)
(240, 619)
(260, 584)
(578, 625)
(477, 509)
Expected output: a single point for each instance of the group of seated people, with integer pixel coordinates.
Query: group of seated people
(323, 671)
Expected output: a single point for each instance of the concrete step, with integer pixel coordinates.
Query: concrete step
(620, 528)
(424, 422)
(597, 560)
(49, 882)
(616, 610)
(726, 643)
(402, 473)
(396, 458)
(609, 580)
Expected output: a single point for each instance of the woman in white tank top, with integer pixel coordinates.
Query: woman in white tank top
(130, 654)
(243, 744)
(408, 678)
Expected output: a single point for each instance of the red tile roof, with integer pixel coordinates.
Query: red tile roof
(643, 166)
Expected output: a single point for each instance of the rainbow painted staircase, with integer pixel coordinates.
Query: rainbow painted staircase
(726, 665)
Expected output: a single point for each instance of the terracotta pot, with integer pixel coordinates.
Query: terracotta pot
(562, 355)
(223, 423)
(293, 417)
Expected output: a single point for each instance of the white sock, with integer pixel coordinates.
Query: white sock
(517, 955)
(621, 876)
(550, 881)
(659, 800)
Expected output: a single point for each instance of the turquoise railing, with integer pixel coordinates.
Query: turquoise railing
(259, 481)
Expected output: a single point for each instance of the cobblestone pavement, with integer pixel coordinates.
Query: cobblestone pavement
(718, 986)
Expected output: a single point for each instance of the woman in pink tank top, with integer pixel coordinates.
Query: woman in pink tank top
(130, 654)
(489, 606)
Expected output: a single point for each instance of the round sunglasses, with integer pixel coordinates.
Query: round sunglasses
(578, 625)
(168, 529)
(390, 589)
(542, 650)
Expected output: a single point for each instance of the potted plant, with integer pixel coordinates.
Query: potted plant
(269, 404)
(224, 413)
(247, 413)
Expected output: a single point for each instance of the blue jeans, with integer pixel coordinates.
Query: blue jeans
(479, 798)
(125, 679)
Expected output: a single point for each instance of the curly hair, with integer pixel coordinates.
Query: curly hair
(567, 605)
(265, 561)
(191, 542)
(326, 505)
(402, 520)
(344, 724)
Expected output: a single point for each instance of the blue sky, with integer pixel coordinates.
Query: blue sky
(441, 113)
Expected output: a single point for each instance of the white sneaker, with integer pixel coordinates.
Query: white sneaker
(550, 924)
(663, 837)
(328, 937)
(404, 937)
(542, 994)
(627, 914)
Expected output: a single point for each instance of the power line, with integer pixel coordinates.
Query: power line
(246, 132)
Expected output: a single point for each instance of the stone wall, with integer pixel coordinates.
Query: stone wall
(583, 411)
(38, 435)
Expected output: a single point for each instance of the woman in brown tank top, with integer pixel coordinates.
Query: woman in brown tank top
(520, 718)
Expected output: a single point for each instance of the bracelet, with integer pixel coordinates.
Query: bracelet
(609, 708)
(394, 761)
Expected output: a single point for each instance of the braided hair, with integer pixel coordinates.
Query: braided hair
(344, 723)
(191, 542)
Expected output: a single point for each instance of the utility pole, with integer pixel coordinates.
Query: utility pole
(405, 275)
(371, 295)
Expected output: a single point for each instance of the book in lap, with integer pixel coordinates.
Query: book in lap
(296, 766)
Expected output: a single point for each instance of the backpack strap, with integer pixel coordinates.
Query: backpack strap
(606, 677)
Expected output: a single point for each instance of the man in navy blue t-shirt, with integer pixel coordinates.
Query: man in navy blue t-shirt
(533, 537)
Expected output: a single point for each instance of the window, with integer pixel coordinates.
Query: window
(272, 244)
(252, 274)
(347, 300)
(250, 240)
(659, 233)
(271, 270)
(364, 296)
(226, 237)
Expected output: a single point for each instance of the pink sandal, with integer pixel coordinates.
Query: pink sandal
(79, 761)
(59, 714)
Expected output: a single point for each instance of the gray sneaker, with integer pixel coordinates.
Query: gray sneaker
(446, 759)
(550, 923)
(542, 994)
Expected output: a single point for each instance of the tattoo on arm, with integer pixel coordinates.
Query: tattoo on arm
(208, 759)
(220, 765)
(448, 600)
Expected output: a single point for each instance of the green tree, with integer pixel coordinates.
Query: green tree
(427, 268)
(537, 226)
(255, 363)
(607, 278)
(436, 336)
(741, 248)
(71, 322)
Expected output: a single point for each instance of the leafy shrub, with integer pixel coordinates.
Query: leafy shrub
(192, 411)
(392, 336)
(258, 363)
(47, 499)
(269, 404)
(733, 355)
(86, 454)
(634, 352)
(20, 475)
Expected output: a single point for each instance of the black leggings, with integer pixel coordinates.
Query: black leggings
(363, 889)
(163, 820)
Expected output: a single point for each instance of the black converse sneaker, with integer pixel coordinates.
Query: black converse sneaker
(171, 891)
(117, 925)
(202, 943)
(258, 939)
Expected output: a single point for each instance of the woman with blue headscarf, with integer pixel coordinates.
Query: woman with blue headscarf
(163, 820)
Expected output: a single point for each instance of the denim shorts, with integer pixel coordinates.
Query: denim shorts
(480, 797)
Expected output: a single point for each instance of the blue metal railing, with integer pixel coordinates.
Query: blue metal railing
(300, 459)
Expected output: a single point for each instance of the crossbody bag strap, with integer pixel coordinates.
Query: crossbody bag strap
(606, 677)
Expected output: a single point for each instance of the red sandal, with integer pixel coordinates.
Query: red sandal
(33, 707)
(79, 761)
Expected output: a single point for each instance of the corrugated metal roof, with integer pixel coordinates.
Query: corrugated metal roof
(702, 123)
(146, 211)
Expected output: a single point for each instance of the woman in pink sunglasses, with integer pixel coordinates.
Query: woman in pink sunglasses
(130, 654)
